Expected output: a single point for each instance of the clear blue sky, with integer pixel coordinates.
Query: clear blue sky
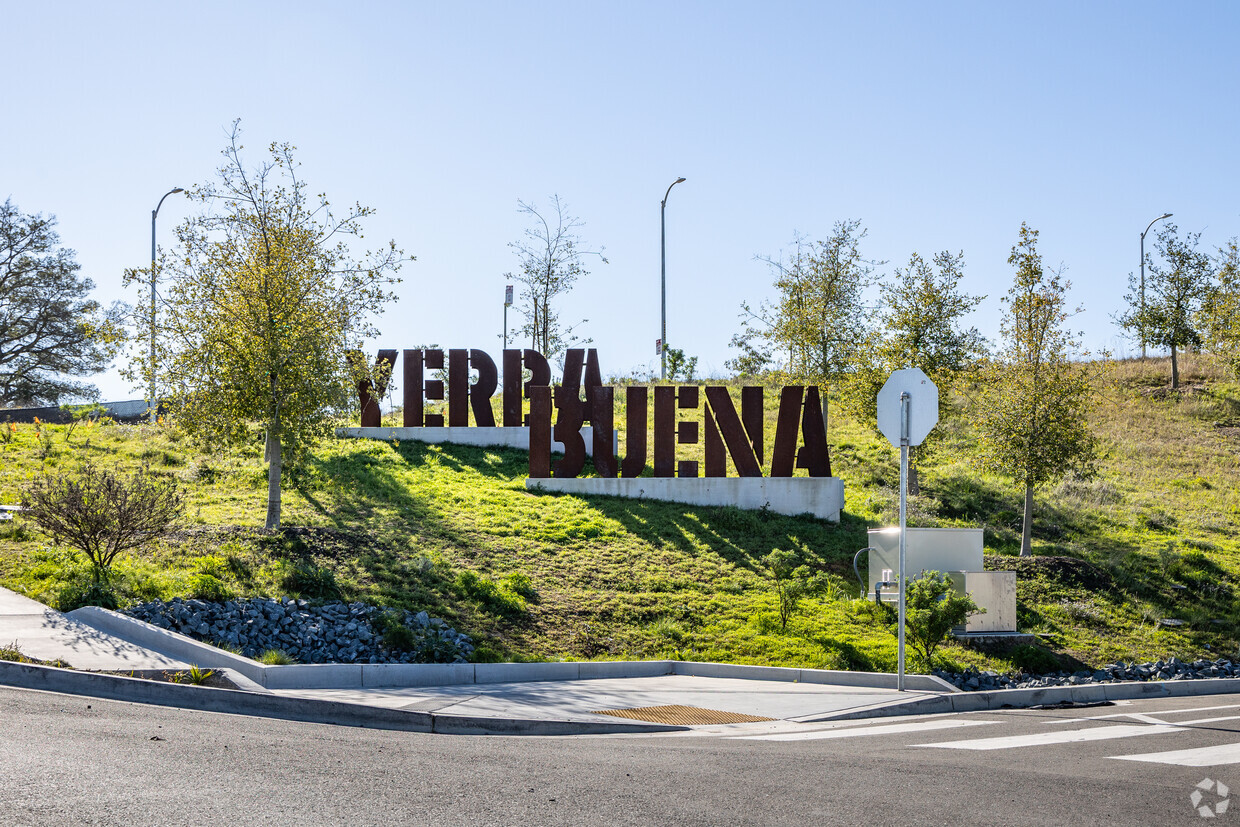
(940, 126)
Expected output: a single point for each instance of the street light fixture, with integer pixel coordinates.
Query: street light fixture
(663, 276)
(154, 215)
(1147, 229)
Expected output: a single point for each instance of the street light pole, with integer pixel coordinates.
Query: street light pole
(663, 276)
(1147, 229)
(154, 215)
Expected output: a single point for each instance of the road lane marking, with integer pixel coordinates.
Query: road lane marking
(1147, 717)
(1101, 733)
(883, 729)
(1200, 757)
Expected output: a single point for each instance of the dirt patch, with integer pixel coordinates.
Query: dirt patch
(1067, 571)
(214, 677)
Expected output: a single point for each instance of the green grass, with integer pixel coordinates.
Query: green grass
(452, 530)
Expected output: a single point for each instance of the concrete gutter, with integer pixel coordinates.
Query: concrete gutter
(1024, 698)
(267, 705)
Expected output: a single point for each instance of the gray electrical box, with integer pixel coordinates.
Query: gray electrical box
(928, 549)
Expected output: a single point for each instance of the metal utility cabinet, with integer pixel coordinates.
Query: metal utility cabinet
(956, 552)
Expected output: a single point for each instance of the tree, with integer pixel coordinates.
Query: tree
(102, 513)
(922, 326)
(680, 367)
(551, 263)
(1174, 294)
(817, 317)
(932, 609)
(1222, 308)
(265, 301)
(793, 581)
(49, 329)
(1033, 412)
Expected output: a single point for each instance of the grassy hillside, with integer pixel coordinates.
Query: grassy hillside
(452, 530)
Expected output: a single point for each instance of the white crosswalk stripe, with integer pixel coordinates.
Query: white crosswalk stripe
(1100, 733)
(1200, 757)
(860, 732)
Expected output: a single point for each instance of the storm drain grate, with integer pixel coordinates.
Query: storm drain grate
(682, 715)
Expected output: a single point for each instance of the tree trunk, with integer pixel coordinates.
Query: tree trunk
(1175, 370)
(275, 464)
(1026, 534)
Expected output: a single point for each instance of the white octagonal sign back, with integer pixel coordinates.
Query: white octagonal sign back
(923, 411)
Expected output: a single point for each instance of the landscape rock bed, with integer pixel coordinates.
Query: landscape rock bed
(328, 633)
(971, 680)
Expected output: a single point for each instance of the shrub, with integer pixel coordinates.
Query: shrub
(491, 595)
(80, 592)
(792, 582)
(276, 657)
(102, 513)
(311, 582)
(203, 586)
(931, 609)
(519, 583)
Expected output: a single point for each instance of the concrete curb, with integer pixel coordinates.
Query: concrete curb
(309, 710)
(1023, 698)
(374, 675)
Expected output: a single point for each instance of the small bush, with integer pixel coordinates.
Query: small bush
(311, 582)
(491, 595)
(276, 657)
(101, 513)
(520, 584)
(202, 586)
(80, 592)
(931, 609)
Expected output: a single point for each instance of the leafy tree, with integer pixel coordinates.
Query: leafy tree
(102, 513)
(1033, 412)
(1222, 308)
(923, 310)
(932, 608)
(551, 263)
(265, 301)
(49, 329)
(1174, 294)
(680, 367)
(793, 581)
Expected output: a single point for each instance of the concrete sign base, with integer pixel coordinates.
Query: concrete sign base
(821, 497)
(498, 437)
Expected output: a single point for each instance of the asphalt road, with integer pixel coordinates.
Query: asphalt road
(71, 760)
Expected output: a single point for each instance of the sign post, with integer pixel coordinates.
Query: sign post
(507, 304)
(908, 409)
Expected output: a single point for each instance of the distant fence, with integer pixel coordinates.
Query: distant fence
(133, 410)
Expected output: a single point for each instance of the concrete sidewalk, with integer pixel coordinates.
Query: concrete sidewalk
(560, 698)
(46, 634)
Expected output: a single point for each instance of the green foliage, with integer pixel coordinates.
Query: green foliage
(102, 513)
(931, 609)
(310, 581)
(204, 586)
(1222, 308)
(552, 260)
(679, 367)
(1174, 294)
(1033, 411)
(80, 592)
(264, 301)
(276, 657)
(792, 581)
(496, 598)
(195, 675)
(818, 319)
(50, 330)
(1033, 659)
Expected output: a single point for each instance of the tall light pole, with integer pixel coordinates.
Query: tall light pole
(663, 276)
(154, 215)
(1147, 229)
